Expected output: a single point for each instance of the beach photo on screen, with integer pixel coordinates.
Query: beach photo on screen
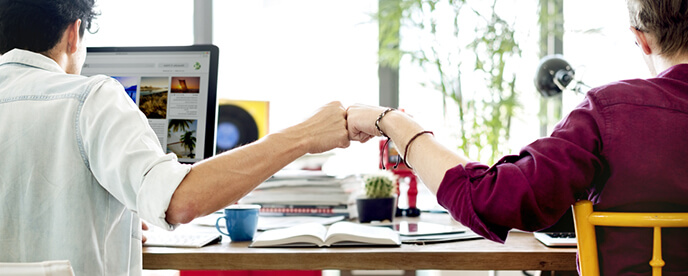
(153, 100)
(181, 137)
(130, 83)
(186, 84)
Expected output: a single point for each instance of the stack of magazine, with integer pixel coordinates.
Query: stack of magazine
(305, 193)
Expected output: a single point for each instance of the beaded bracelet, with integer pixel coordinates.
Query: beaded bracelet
(377, 122)
(377, 125)
(409, 144)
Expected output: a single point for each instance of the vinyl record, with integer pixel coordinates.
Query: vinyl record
(235, 127)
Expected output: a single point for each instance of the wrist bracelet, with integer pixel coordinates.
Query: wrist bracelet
(377, 122)
(409, 144)
(382, 155)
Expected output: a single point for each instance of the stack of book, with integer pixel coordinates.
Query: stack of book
(305, 193)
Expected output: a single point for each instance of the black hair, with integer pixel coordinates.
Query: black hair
(38, 25)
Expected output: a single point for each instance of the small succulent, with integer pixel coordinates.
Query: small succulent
(379, 186)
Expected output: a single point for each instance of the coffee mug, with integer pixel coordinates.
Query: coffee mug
(241, 221)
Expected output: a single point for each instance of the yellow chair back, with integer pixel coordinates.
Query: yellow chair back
(586, 219)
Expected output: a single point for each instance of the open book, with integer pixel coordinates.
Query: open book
(341, 233)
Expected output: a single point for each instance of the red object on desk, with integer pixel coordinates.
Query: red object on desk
(390, 157)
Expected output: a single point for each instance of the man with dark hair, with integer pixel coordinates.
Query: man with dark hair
(81, 165)
(623, 148)
(43, 28)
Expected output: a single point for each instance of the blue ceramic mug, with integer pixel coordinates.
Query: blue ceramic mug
(241, 221)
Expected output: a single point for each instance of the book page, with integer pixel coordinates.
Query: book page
(352, 233)
(307, 234)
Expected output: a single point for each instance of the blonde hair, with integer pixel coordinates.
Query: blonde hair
(666, 20)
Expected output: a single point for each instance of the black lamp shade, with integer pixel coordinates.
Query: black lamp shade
(552, 68)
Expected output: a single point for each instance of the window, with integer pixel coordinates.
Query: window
(142, 23)
(425, 102)
(299, 55)
(599, 45)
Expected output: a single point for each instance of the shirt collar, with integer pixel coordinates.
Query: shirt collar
(676, 72)
(30, 59)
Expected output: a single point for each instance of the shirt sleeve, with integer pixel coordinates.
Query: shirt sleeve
(125, 155)
(532, 190)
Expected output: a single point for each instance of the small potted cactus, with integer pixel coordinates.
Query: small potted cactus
(380, 201)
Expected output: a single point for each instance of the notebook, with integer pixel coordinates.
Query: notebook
(561, 234)
(195, 240)
(438, 238)
(411, 229)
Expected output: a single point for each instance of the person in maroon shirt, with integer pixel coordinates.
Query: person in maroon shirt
(625, 148)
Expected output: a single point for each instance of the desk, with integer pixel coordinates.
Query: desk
(521, 252)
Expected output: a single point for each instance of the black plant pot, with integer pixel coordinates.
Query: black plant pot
(376, 209)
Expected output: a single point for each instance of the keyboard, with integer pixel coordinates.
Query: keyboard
(181, 239)
(556, 239)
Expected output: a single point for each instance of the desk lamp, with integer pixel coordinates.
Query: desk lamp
(553, 76)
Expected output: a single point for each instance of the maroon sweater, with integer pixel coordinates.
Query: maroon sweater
(625, 148)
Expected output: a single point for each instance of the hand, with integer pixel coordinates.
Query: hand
(324, 130)
(144, 226)
(361, 122)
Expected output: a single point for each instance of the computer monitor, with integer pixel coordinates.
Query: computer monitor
(174, 86)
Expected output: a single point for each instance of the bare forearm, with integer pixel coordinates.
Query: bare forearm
(431, 160)
(224, 179)
(426, 155)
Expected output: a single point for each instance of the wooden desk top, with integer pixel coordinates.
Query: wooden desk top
(521, 252)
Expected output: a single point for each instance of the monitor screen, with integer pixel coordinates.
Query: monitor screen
(175, 87)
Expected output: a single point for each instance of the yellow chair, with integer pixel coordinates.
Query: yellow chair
(586, 220)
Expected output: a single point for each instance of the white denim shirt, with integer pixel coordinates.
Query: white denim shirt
(79, 165)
